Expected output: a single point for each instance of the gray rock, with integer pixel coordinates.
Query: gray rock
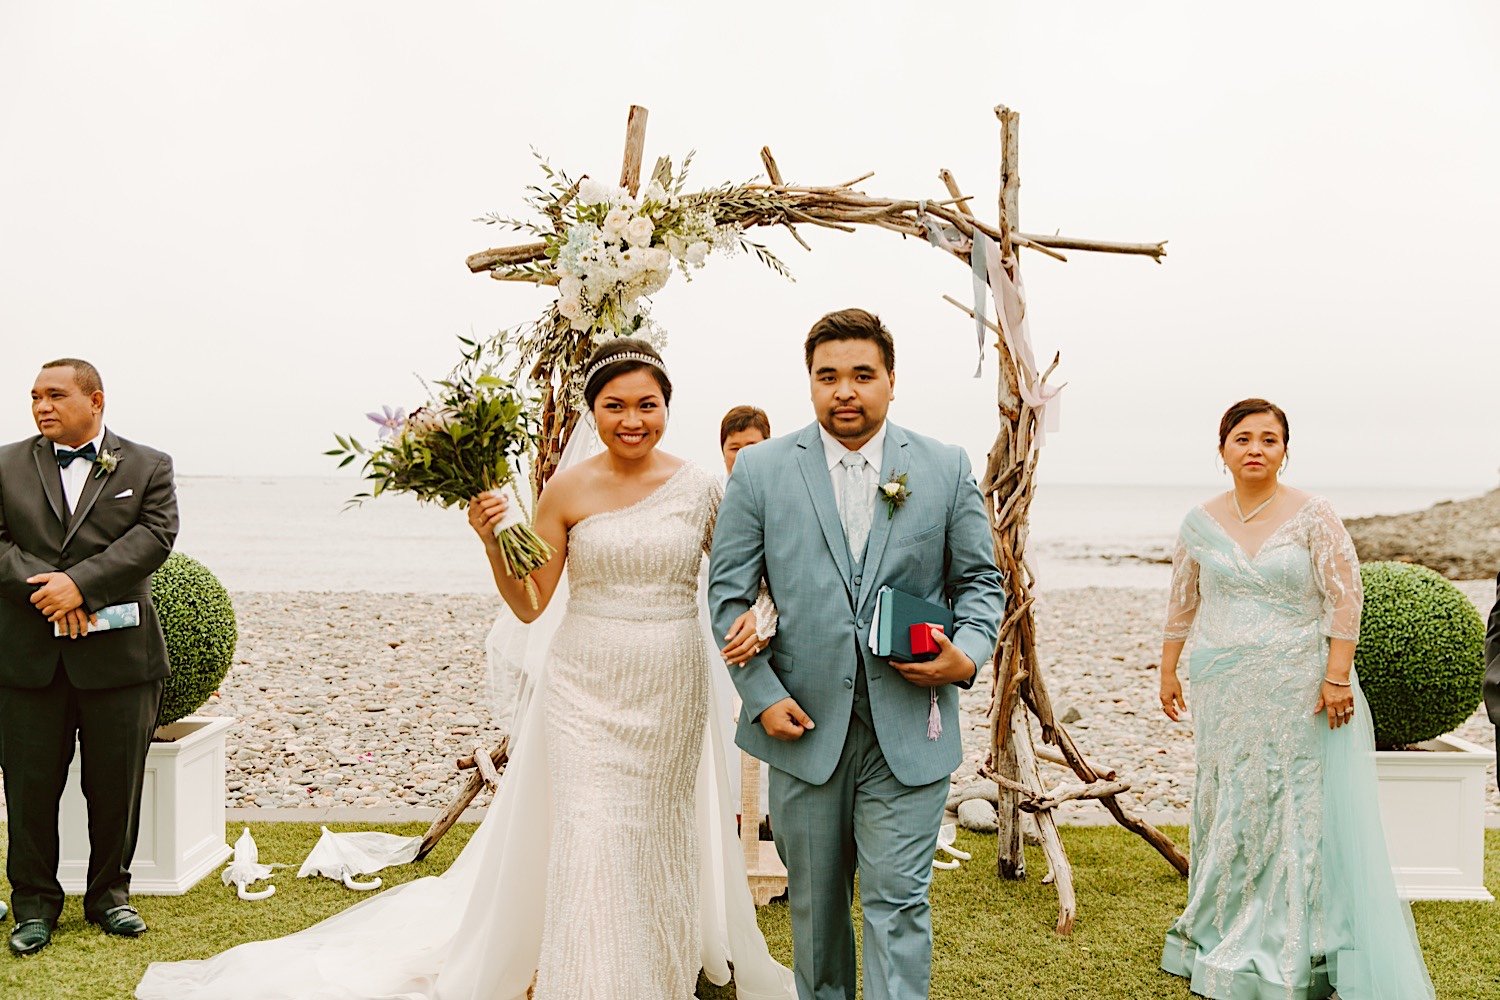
(977, 815)
(978, 789)
(1071, 715)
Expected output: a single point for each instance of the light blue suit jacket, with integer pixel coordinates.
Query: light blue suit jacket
(779, 521)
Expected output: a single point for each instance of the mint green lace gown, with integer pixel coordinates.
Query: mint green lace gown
(1290, 893)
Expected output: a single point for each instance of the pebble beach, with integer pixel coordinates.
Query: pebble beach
(365, 700)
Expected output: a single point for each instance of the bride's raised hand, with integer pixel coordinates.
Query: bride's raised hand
(485, 513)
(742, 642)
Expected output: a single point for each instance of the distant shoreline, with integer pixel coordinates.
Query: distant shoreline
(1458, 538)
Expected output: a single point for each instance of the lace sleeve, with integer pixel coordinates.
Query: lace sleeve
(766, 615)
(715, 497)
(1336, 570)
(764, 609)
(1182, 600)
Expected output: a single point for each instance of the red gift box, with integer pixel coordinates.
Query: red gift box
(922, 642)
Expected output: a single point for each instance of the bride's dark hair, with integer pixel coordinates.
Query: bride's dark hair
(605, 370)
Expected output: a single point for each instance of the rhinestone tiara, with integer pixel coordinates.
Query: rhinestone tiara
(588, 376)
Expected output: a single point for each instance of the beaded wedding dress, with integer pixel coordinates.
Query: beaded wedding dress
(1290, 893)
(608, 864)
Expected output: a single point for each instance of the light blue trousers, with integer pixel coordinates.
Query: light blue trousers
(861, 819)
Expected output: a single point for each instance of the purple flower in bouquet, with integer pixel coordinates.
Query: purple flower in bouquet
(390, 421)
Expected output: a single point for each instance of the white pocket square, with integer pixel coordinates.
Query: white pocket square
(123, 494)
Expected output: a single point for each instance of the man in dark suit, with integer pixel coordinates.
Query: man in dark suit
(85, 518)
(1492, 669)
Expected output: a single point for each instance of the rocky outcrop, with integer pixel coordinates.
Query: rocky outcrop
(1458, 538)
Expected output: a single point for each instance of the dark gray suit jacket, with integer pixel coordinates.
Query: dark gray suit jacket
(110, 547)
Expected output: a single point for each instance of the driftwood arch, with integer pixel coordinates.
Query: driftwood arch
(1007, 481)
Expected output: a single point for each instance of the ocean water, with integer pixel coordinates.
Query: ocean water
(294, 534)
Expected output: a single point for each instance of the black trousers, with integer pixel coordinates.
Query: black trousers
(38, 728)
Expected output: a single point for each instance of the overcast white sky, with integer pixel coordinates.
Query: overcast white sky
(253, 217)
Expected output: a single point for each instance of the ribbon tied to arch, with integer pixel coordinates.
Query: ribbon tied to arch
(1009, 296)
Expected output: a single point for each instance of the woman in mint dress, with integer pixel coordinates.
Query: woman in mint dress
(1290, 893)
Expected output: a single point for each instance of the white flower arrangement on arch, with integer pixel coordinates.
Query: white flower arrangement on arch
(607, 251)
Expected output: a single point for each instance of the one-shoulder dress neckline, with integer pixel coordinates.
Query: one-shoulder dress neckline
(635, 505)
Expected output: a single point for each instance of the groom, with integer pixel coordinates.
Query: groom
(857, 781)
(85, 519)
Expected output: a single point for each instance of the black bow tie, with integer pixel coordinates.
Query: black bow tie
(65, 457)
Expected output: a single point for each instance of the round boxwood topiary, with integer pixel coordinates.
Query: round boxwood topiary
(197, 619)
(1420, 658)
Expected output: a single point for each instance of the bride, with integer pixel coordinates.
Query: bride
(608, 865)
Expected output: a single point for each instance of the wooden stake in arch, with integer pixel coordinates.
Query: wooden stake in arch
(1008, 482)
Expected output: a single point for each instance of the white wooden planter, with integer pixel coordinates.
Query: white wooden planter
(1432, 807)
(182, 813)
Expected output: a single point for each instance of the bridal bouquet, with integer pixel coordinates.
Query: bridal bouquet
(468, 438)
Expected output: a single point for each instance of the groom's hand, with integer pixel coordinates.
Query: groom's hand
(56, 595)
(785, 720)
(950, 667)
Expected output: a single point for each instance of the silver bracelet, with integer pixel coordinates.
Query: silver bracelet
(1341, 684)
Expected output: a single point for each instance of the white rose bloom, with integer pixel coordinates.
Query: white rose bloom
(891, 489)
(639, 231)
(657, 259)
(615, 223)
(696, 254)
(569, 307)
(570, 287)
(675, 245)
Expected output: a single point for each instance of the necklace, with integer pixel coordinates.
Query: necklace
(1235, 497)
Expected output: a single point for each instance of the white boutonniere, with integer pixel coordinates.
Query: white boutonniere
(106, 463)
(894, 493)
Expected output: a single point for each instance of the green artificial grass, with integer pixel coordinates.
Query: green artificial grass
(991, 939)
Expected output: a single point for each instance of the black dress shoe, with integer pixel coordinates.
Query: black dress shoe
(121, 921)
(30, 937)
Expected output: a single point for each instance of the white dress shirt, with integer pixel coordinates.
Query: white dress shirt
(76, 475)
(873, 450)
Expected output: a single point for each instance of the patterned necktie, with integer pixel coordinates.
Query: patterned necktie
(65, 457)
(854, 506)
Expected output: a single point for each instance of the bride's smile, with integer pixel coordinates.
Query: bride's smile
(631, 414)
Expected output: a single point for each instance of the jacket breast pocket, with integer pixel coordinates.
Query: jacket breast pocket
(925, 537)
(115, 514)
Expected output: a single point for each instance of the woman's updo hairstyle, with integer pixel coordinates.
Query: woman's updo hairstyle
(1249, 408)
(602, 370)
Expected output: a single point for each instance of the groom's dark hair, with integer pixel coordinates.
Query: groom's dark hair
(85, 374)
(852, 324)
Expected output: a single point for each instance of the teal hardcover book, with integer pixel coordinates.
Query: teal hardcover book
(113, 617)
(895, 613)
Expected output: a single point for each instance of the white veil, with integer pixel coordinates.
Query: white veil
(475, 932)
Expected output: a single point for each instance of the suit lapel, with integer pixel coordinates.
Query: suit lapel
(895, 461)
(92, 487)
(814, 466)
(51, 476)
